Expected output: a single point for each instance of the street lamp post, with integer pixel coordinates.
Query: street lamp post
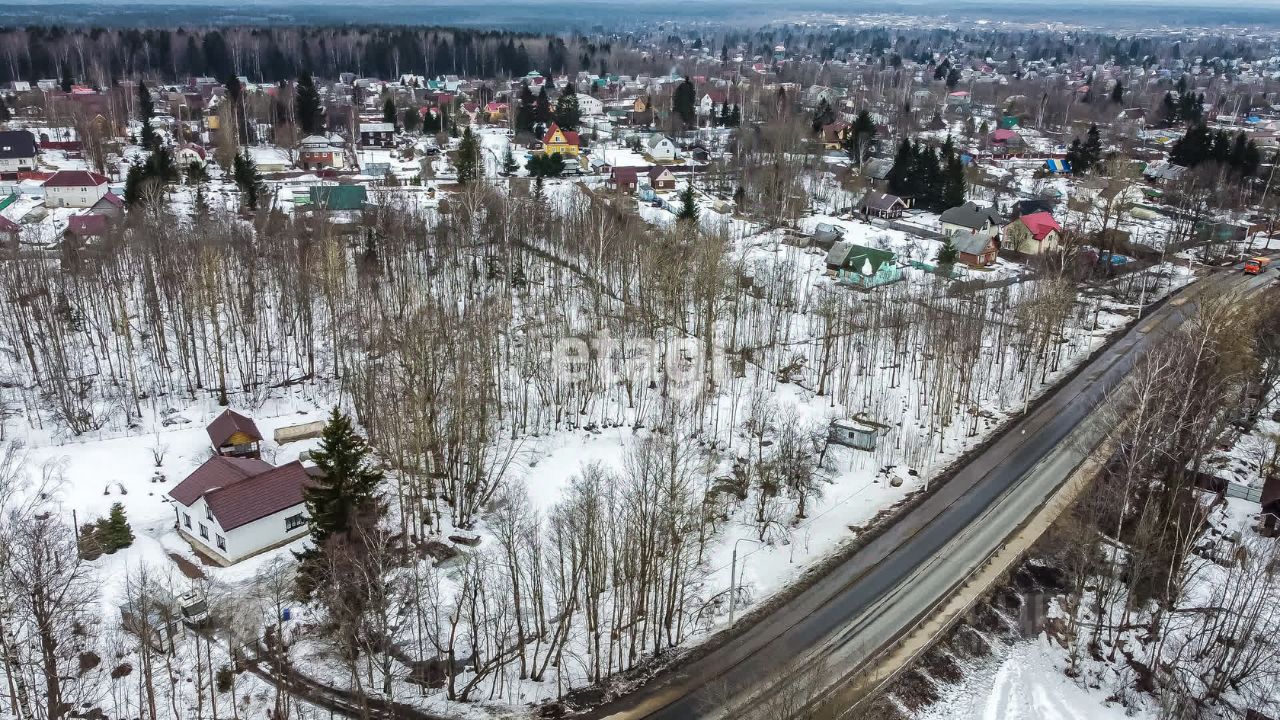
(733, 577)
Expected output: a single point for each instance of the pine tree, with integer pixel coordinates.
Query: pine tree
(1093, 147)
(899, 177)
(682, 102)
(345, 494)
(956, 186)
(200, 206)
(307, 105)
(134, 180)
(469, 167)
(568, 116)
(542, 107)
(118, 533)
(412, 121)
(525, 109)
(1117, 93)
(688, 205)
(948, 254)
(146, 110)
(735, 116)
(509, 164)
(389, 111)
(245, 173)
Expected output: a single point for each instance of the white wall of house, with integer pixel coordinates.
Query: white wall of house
(244, 541)
(79, 197)
(987, 230)
(17, 164)
(662, 150)
(588, 105)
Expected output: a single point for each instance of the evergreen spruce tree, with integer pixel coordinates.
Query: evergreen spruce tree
(1117, 93)
(525, 109)
(947, 254)
(146, 109)
(118, 533)
(735, 116)
(345, 493)
(469, 167)
(688, 205)
(955, 186)
(682, 102)
(542, 107)
(389, 111)
(4, 111)
(509, 164)
(245, 173)
(412, 121)
(899, 176)
(568, 116)
(306, 101)
(1093, 147)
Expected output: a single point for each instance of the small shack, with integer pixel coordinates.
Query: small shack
(857, 432)
(234, 435)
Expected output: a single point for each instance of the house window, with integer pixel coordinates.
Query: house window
(222, 543)
(186, 520)
(204, 531)
(293, 522)
(208, 513)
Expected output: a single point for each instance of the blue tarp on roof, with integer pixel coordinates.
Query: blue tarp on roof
(1057, 166)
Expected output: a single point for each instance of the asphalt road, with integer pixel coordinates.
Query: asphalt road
(863, 604)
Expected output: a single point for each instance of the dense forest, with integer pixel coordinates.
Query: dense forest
(101, 56)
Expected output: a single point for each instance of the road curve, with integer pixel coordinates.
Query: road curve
(862, 603)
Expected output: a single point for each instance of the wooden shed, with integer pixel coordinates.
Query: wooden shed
(235, 435)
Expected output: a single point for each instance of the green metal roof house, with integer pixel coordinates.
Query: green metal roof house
(862, 266)
(338, 197)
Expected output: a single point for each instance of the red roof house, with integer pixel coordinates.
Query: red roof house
(1033, 233)
(233, 508)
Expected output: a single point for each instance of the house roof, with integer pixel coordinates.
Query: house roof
(9, 226)
(656, 173)
(969, 243)
(851, 256)
(377, 127)
(218, 471)
(826, 232)
(570, 137)
(17, 144)
(654, 141)
(89, 224)
(882, 201)
(1040, 224)
(339, 197)
(1004, 135)
(229, 423)
(259, 495)
(623, 175)
(969, 215)
(878, 168)
(75, 178)
(111, 199)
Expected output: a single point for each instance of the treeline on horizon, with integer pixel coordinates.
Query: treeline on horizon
(100, 56)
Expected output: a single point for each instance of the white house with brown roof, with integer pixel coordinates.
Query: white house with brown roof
(74, 188)
(232, 508)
